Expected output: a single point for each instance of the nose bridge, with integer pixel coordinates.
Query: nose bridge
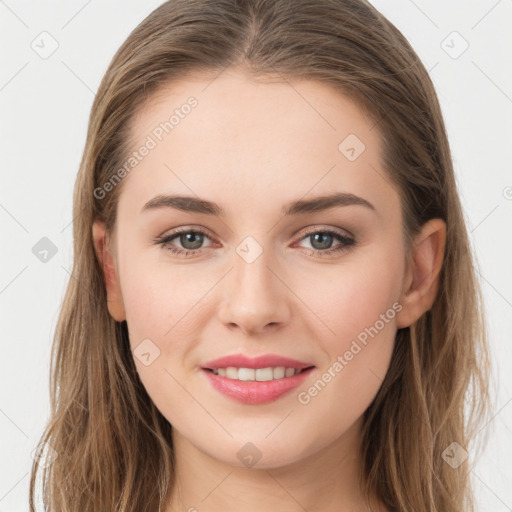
(254, 296)
(252, 264)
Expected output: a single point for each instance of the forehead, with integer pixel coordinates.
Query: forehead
(234, 138)
(246, 105)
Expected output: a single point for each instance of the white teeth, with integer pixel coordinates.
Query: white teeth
(246, 373)
(259, 374)
(279, 372)
(263, 374)
(232, 373)
(289, 372)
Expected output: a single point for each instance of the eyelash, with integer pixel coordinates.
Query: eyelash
(346, 242)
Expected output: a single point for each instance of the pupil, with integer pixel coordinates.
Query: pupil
(189, 237)
(326, 243)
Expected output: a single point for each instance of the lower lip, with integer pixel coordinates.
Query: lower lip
(255, 392)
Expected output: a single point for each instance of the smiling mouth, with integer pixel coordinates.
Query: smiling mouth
(242, 384)
(257, 374)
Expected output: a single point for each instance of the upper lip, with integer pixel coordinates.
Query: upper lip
(264, 361)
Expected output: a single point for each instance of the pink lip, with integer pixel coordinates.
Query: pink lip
(254, 392)
(241, 361)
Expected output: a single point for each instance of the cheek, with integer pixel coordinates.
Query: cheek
(353, 295)
(359, 306)
(165, 315)
(362, 309)
(148, 307)
(162, 330)
(158, 297)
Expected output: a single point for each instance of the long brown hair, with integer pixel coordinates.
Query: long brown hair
(110, 448)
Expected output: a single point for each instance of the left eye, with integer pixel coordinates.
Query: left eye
(191, 241)
(324, 237)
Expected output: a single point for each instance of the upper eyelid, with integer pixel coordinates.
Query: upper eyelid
(337, 231)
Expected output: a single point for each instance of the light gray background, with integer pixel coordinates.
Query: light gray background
(45, 103)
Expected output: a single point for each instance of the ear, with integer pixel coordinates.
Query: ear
(104, 254)
(422, 276)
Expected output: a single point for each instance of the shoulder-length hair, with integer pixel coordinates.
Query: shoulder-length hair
(113, 447)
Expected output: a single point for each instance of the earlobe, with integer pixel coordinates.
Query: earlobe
(111, 279)
(425, 265)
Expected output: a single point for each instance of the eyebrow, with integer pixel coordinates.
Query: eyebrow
(301, 206)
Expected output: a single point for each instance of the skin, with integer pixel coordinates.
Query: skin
(253, 146)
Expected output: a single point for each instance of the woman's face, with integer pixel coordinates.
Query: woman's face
(257, 282)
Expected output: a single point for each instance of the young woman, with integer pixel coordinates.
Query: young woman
(273, 303)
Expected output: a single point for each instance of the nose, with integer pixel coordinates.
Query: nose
(255, 298)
